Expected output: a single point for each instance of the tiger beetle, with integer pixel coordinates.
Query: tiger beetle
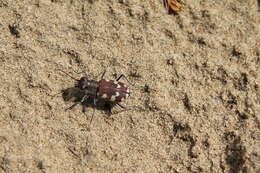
(109, 91)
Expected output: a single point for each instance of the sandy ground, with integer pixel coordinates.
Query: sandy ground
(202, 64)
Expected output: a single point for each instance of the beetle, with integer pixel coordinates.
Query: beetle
(106, 90)
(110, 92)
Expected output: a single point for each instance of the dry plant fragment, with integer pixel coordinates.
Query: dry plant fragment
(175, 5)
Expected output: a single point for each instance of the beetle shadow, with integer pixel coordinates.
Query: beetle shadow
(74, 95)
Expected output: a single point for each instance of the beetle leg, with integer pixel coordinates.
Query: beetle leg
(79, 102)
(108, 109)
(128, 107)
(102, 74)
(71, 107)
(84, 109)
(124, 107)
(130, 83)
(94, 109)
(120, 77)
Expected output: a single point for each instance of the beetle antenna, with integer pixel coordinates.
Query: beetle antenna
(83, 72)
(68, 75)
(52, 96)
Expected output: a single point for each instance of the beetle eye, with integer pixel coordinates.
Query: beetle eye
(83, 83)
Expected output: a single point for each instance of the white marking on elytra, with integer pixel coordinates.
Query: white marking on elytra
(113, 98)
(122, 99)
(118, 86)
(117, 94)
(127, 90)
(126, 95)
(104, 96)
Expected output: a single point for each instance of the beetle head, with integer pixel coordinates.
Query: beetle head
(83, 83)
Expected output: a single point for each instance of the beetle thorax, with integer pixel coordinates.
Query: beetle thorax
(89, 86)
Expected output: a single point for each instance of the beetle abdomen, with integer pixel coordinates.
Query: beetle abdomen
(112, 91)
